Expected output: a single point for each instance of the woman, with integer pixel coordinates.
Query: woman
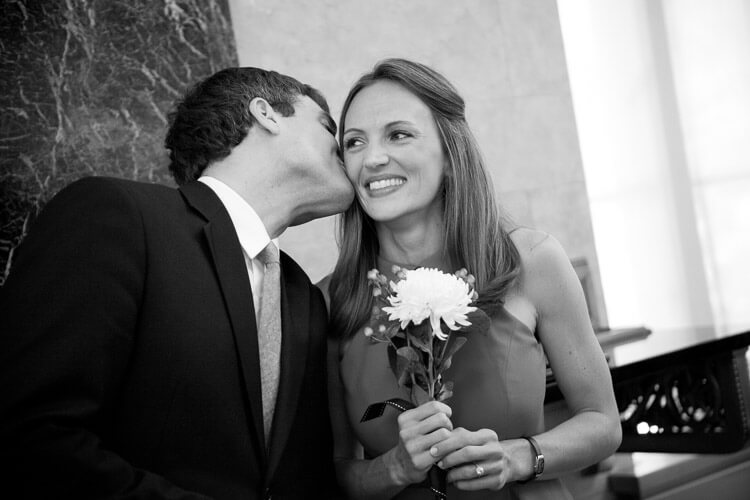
(424, 198)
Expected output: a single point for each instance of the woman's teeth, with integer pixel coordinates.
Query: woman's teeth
(382, 184)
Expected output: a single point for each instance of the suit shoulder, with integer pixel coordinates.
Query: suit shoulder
(291, 266)
(294, 274)
(104, 187)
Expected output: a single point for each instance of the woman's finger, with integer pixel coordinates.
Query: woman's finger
(423, 412)
(462, 439)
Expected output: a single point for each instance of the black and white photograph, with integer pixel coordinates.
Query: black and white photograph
(411, 250)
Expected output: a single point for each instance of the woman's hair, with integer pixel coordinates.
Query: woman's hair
(473, 228)
(214, 116)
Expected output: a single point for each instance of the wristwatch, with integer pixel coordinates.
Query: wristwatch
(538, 463)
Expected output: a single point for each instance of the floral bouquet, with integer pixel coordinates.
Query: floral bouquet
(420, 351)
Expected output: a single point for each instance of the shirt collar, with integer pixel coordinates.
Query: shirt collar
(250, 230)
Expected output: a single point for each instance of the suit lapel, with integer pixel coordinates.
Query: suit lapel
(295, 312)
(229, 263)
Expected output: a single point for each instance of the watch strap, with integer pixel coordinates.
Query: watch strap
(537, 464)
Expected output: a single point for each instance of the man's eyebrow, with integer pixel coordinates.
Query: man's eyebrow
(328, 122)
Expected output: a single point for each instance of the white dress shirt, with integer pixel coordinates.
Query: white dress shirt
(250, 230)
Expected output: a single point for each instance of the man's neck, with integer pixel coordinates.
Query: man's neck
(270, 201)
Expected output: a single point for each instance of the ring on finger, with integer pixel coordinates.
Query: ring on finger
(478, 469)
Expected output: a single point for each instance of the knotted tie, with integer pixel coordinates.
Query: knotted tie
(269, 333)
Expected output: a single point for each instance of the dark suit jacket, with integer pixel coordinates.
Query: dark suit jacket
(129, 356)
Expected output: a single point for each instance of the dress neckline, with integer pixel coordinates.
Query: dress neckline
(437, 260)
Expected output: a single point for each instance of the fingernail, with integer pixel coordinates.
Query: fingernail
(440, 464)
(434, 451)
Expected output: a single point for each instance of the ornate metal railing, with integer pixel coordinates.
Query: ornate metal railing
(694, 400)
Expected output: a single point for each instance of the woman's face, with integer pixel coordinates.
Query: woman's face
(393, 153)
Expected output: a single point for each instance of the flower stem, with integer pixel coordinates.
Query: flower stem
(430, 374)
(411, 372)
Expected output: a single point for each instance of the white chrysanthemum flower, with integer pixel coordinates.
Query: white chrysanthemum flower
(430, 293)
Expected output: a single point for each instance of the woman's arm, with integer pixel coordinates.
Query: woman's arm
(406, 463)
(593, 431)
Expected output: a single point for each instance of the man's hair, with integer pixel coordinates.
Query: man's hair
(475, 236)
(214, 116)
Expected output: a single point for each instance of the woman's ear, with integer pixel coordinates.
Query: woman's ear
(265, 115)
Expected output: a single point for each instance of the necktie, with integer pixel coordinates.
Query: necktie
(269, 333)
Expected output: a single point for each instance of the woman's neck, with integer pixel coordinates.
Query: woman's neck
(412, 244)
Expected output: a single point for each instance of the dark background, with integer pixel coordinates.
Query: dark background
(86, 88)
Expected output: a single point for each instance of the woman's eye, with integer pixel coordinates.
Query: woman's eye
(399, 135)
(352, 142)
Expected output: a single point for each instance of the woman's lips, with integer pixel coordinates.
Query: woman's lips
(380, 185)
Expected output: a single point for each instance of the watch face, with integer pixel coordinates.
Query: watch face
(539, 466)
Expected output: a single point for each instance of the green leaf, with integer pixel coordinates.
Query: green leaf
(406, 363)
(445, 392)
(480, 323)
(393, 330)
(421, 337)
(419, 395)
(393, 361)
(409, 353)
(455, 342)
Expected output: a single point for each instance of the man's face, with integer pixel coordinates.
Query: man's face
(312, 155)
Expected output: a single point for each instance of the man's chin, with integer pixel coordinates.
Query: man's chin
(319, 212)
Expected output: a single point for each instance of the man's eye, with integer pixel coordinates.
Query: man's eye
(331, 130)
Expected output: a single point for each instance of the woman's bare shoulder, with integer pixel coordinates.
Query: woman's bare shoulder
(543, 259)
(531, 242)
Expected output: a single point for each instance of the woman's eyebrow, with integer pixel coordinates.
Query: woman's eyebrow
(395, 123)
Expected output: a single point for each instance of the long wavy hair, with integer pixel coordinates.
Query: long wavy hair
(474, 236)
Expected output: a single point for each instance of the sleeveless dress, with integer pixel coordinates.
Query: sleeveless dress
(498, 383)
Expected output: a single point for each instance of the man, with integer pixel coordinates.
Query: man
(135, 347)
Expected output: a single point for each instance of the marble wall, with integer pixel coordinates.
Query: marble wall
(85, 88)
(507, 59)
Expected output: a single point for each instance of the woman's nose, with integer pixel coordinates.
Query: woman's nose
(375, 157)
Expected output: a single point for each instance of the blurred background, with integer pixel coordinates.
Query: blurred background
(620, 127)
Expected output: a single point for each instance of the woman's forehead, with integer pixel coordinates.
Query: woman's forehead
(384, 102)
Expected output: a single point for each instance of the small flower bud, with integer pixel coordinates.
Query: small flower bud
(372, 274)
(470, 279)
(377, 292)
(368, 331)
(381, 328)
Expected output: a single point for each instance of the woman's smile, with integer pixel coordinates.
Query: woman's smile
(382, 186)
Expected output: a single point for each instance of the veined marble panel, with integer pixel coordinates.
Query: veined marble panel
(85, 89)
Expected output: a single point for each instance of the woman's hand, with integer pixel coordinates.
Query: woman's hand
(476, 460)
(420, 430)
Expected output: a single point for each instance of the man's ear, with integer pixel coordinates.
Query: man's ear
(264, 114)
